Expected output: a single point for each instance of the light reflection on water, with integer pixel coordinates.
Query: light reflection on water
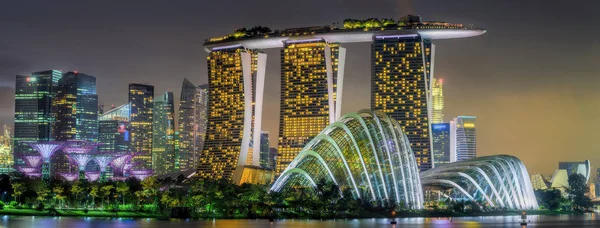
(587, 220)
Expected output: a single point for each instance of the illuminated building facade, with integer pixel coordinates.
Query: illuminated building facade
(192, 124)
(76, 108)
(141, 97)
(310, 81)
(264, 150)
(441, 143)
(463, 142)
(401, 72)
(312, 69)
(437, 101)
(6, 148)
(236, 84)
(366, 152)
(163, 135)
(113, 129)
(34, 96)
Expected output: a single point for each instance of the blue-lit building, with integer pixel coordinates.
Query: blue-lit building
(76, 108)
(113, 129)
(441, 143)
(33, 109)
(464, 138)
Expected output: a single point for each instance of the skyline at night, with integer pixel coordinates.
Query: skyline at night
(529, 83)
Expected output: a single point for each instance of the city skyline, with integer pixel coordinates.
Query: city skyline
(527, 96)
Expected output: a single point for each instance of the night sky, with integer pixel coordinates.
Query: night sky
(532, 80)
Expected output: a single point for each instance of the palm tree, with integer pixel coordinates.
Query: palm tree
(122, 189)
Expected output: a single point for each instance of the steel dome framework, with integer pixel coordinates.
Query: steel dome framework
(498, 181)
(366, 152)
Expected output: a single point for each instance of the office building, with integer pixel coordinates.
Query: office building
(141, 97)
(76, 108)
(114, 130)
(437, 101)
(34, 97)
(464, 138)
(264, 150)
(441, 143)
(163, 134)
(192, 124)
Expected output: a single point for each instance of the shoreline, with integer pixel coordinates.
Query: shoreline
(146, 215)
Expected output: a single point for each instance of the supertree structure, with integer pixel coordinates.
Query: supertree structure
(79, 152)
(69, 176)
(33, 161)
(92, 176)
(120, 161)
(46, 150)
(81, 160)
(103, 160)
(141, 174)
(79, 146)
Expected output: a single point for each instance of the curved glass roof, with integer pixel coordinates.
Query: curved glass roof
(497, 181)
(366, 152)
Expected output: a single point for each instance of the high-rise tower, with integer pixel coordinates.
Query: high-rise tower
(463, 143)
(141, 97)
(400, 76)
(236, 83)
(163, 134)
(437, 101)
(76, 108)
(192, 124)
(441, 136)
(34, 96)
(310, 85)
(114, 129)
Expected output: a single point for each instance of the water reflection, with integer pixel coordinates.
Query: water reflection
(587, 220)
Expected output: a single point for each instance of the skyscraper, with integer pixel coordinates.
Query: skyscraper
(34, 96)
(309, 89)
(437, 101)
(141, 97)
(192, 124)
(76, 108)
(441, 143)
(463, 142)
(264, 150)
(114, 129)
(163, 134)
(400, 76)
(236, 83)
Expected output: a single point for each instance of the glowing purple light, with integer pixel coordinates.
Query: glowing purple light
(118, 178)
(103, 160)
(27, 170)
(34, 161)
(120, 161)
(46, 149)
(141, 174)
(79, 146)
(69, 176)
(37, 174)
(81, 160)
(92, 176)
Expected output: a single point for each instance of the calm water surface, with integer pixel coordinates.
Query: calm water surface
(587, 220)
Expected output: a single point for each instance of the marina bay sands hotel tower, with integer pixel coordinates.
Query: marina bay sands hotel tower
(312, 74)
